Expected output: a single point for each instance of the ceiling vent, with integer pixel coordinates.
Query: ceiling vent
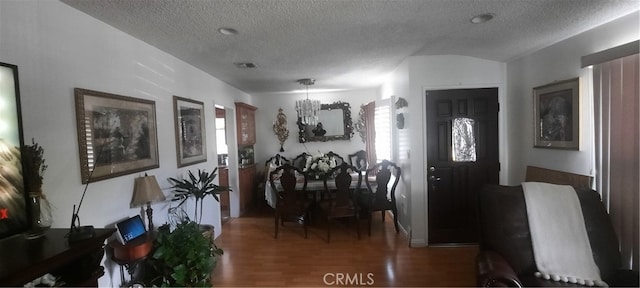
(245, 65)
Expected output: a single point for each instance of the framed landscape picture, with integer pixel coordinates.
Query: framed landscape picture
(556, 110)
(191, 140)
(117, 135)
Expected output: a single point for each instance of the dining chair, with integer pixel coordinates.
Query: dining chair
(338, 158)
(270, 165)
(359, 160)
(300, 161)
(343, 202)
(291, 204)
(382, 199)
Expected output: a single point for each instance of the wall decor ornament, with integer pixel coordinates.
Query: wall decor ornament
(556, 112)
(401, 103)
(280, 128)
(361, 124)
(117, 134)
(191, 137)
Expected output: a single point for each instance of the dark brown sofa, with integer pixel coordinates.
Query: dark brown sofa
(506, 257)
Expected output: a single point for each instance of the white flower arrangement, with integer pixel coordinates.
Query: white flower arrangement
(319, 164)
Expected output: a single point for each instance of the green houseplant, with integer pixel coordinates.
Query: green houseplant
(183, 257)
(184, 253)
(197, 187)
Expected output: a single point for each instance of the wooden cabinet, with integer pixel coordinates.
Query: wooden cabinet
(246, 123)
(246, 128)
(223, 180)
(247, 177)
(78, 264)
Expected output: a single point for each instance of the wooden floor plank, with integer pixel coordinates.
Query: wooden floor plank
(253, 257)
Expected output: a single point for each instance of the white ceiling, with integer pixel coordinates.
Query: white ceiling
(343, 44)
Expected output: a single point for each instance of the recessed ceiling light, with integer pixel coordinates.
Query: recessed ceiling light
(245, 65)
(482, 18)
(228, 31)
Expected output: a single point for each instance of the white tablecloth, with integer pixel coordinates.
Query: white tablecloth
(314, 185)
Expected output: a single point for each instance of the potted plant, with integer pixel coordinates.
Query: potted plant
(33, 168)
(183, 257)
(197, 187)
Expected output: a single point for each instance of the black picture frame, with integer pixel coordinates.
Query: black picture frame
(117, 135)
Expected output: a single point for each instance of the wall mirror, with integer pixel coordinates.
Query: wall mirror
(334, 123)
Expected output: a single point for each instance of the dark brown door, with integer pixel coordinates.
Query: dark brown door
(460, 123)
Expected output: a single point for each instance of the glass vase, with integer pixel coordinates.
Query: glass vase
(41, 218)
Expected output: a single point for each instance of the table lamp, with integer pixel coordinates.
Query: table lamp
(145, 191)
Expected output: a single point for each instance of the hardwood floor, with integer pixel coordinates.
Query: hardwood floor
(252, 257)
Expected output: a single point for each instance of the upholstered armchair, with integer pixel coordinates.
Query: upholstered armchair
(506, 257)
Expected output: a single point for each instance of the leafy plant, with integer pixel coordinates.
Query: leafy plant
(198, 188)
(33, 166)
(183, 257)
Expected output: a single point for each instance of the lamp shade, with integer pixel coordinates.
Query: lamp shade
(145, 190)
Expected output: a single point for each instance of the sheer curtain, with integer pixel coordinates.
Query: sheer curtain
(369, 118)
(617, 143)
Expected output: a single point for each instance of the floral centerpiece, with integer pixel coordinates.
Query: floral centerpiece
(316, 166)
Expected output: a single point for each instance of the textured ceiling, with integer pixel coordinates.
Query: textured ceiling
(343, 44)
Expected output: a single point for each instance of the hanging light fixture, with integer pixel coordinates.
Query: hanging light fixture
(308, 109)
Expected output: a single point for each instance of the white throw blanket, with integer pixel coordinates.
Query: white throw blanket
(559, 238)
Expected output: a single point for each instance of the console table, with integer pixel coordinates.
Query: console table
(23, 260)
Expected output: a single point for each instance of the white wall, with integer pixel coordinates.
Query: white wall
(268, 105)
(558, 62)
(58, 48)
(428, 73)
(397, 85)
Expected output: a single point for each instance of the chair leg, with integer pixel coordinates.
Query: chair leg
(370, 216)
(276, 226)
(305, 219)
(358, 225)
(383, 212)
(328, 229)
(395, 219)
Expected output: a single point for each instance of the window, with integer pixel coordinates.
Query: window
(221, 137)
(382, 119)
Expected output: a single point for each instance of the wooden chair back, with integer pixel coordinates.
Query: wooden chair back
(338, 158)
(359, 160)
(344, 195)
(300, 161)
(383, 172)
(289, 196)
(272, 163)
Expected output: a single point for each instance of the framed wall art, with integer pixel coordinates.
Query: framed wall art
(556, 110)
(117, 135)
(191, 140)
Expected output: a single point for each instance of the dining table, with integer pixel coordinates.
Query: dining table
(315, 187)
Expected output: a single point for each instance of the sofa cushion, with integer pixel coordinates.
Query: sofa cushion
(505, 227)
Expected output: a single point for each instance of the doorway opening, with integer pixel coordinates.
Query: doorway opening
(223, 161)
